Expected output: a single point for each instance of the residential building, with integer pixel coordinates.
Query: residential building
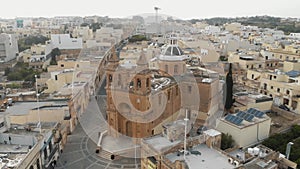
(63, 42)
(283, 86)
(246, 127)
(8, 47)
(28, 146)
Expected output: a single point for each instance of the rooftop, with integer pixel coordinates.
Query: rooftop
(160, 143)
(22, 108)
(202, 156)
(246, 118)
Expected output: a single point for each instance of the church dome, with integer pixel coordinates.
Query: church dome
(172, 52)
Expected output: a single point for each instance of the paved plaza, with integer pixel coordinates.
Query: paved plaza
(79, 153)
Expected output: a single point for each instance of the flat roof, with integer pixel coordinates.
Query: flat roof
(13, 149)
(209, 158)
(160, 142)
(212, 132)
(22, 108)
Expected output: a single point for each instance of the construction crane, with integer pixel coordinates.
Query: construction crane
(156, 17)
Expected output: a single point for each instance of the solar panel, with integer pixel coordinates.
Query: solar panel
(238, 121)
(239, 113)
(234, 119)
(251, 111)
(259, 114)
(229, 117)
(243, 115)
(249, 118)
(247, 115)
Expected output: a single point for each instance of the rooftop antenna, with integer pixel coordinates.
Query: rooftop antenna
(156, 17)
(185, 132)
(39, 125)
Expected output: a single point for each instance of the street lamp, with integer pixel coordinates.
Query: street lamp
(38, 106)
(288, 149)
(185, 133)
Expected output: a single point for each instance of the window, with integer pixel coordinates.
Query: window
(190, 89)
(138, 83)
(252, 76)
(175, 69)
(189, 113)
(159, 99)
(278, 89)
(275, 77)
(119, 80)
(110, 78)
(38, 164)
(166, 68)
(287, 92)
(55, 77)
(259, 66)
(45, 153)
(271, 87)
(147, 82)
(62, 65)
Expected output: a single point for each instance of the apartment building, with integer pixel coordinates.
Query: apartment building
(283, 86)
(8, 47)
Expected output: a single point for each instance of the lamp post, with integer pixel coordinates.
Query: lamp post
(38, 106)
(185, 132)
(288, 149)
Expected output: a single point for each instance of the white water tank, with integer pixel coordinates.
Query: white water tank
(250, 151)
(256, 151)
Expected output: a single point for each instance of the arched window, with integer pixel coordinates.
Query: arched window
(166, 68)
(139, 83)
(147, 82)
(110, 78)
(175, 69)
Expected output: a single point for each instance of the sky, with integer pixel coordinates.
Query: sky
(185, 9)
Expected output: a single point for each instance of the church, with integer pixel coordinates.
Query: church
(141, 100)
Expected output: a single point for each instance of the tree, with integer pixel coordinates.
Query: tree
(226, 141)
(6, 71)
(54, 53)
(95, 26)
(229, 89)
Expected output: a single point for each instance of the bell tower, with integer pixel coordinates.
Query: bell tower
(111, 67)
(141, 84)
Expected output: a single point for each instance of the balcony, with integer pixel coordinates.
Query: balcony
(51, 155)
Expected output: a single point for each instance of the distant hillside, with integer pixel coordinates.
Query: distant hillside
(286, 25)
